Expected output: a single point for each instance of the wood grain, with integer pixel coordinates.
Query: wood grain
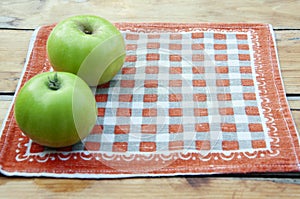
(296, 117)
(4, 105)
(147, 188)
(30, 14)
(295, 104)
(13, 53)
(288, 45)
(19, 18)
(13, 50)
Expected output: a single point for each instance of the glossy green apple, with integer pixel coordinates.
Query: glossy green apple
(86, 45)
(56, 109)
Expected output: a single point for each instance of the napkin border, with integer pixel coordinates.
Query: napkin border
(283, 101)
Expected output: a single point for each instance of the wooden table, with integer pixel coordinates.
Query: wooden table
(18, 20)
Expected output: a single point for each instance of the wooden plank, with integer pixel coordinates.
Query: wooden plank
(288, 45)
(13, 50)
(30, 14)
(296, 117)
(4, 105)
(146, 188)
(295, 104)
(13, 54)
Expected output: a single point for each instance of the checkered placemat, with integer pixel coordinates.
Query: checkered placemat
(190, 99)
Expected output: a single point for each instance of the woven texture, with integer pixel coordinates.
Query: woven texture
(190, 99)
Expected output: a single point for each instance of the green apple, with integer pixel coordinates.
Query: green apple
(55, 109)
(86, 45)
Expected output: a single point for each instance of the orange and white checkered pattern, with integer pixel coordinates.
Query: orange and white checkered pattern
(145, 107)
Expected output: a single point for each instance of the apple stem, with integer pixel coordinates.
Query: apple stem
(54, 83)
(88, 32)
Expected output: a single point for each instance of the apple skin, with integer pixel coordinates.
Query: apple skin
(72, 42)
(55, 117)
